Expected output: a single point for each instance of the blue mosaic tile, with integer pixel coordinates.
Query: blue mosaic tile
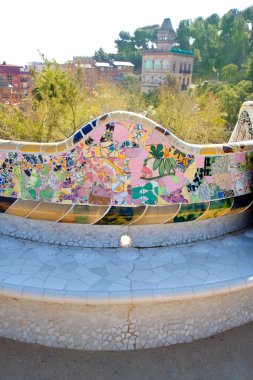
(77, 137)
(87, 129)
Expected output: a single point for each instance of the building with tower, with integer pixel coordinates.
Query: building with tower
(15, 83)
(166, 61)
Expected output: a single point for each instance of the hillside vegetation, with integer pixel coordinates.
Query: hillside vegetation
(223, 77)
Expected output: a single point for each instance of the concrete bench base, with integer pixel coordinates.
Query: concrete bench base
(96, 236)
(123, 327)
(118, 299)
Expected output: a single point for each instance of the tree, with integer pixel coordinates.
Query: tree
(194, 117)
(184, 34)
(230, 72)
(100, 55)
(204, 35)
(129, 48)
(249, 69)
(218, 42)
(145, 35)
(234, 37)
(214, 19)
(133, 94)
(231, 97)
(56, 98)
(125, 43)
(60, 105)
(248, 15)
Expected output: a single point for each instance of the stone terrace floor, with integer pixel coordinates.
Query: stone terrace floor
(103, 276)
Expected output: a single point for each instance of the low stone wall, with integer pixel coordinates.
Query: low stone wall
(89, 236)
(123, 327)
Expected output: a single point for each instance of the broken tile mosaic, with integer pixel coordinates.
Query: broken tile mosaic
(123, 168)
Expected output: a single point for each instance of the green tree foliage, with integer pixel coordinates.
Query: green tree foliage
(230, 72)
(218, 42)
(223, 49)
(56, 96)
(145, 35)
(184, 34)
(59, 105)
(125, 43)
(248, 15)
(231, 97)
(129, 48)
(100, 55)
(235, 37)
(194, 117)
(135, 99)
(249, 68)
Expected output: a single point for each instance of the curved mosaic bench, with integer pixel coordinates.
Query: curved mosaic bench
(124, 169)
(124, 174)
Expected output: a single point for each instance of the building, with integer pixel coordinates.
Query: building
(36, 66)
(113, 71)
(166, 61)
(5, 89)
(15, 81)
(97, 72)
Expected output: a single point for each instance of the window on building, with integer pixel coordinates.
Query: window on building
(148, 64)
(181, 68)
(174, 67)
(9, 78)
(165, 64)
(185, 67)
(189, 67)
(157, 64)
(184, 86)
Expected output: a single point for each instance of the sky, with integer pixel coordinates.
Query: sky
(61, 29)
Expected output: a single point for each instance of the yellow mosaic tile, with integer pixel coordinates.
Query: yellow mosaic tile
(31, 148)
(21, 207)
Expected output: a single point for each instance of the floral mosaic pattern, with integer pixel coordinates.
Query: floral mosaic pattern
(244, 128)
(124, 160)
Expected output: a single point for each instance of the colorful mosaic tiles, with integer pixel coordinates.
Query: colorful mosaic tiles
(122, 168)
(244, 129)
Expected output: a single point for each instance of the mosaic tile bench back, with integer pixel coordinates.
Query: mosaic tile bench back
(123, 168)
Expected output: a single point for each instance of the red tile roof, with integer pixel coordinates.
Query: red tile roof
(10, 69)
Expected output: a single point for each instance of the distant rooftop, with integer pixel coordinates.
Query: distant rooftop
(121, 63)
(36, 63)
(84, 65)
(173, 50)
(167, 25)
(114, 63)
(181, 51)
(102, 64)
(10, 69)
